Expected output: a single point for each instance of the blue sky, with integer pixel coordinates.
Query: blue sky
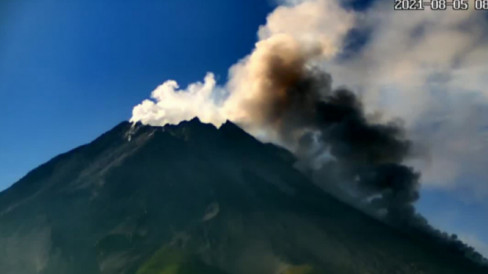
(71, 70)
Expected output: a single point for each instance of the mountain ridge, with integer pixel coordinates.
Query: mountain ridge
(137, 190)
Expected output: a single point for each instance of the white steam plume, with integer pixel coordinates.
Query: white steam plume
(172, 105)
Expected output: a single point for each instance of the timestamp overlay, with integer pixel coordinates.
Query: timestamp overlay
(481, 5)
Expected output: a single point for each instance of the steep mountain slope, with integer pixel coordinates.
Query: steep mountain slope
(194, 199)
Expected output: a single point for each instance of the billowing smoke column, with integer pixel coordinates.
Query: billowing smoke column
(296, 103)
(281, 93)
(278, 92)
(295, 37)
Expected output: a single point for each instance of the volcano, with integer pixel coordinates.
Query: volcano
(193, 198)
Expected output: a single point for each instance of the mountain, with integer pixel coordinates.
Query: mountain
(192, 198)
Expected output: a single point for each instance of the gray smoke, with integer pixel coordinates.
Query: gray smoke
(366, 157)
(282, 93)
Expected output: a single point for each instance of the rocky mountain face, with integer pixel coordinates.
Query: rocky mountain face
(195, 199)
